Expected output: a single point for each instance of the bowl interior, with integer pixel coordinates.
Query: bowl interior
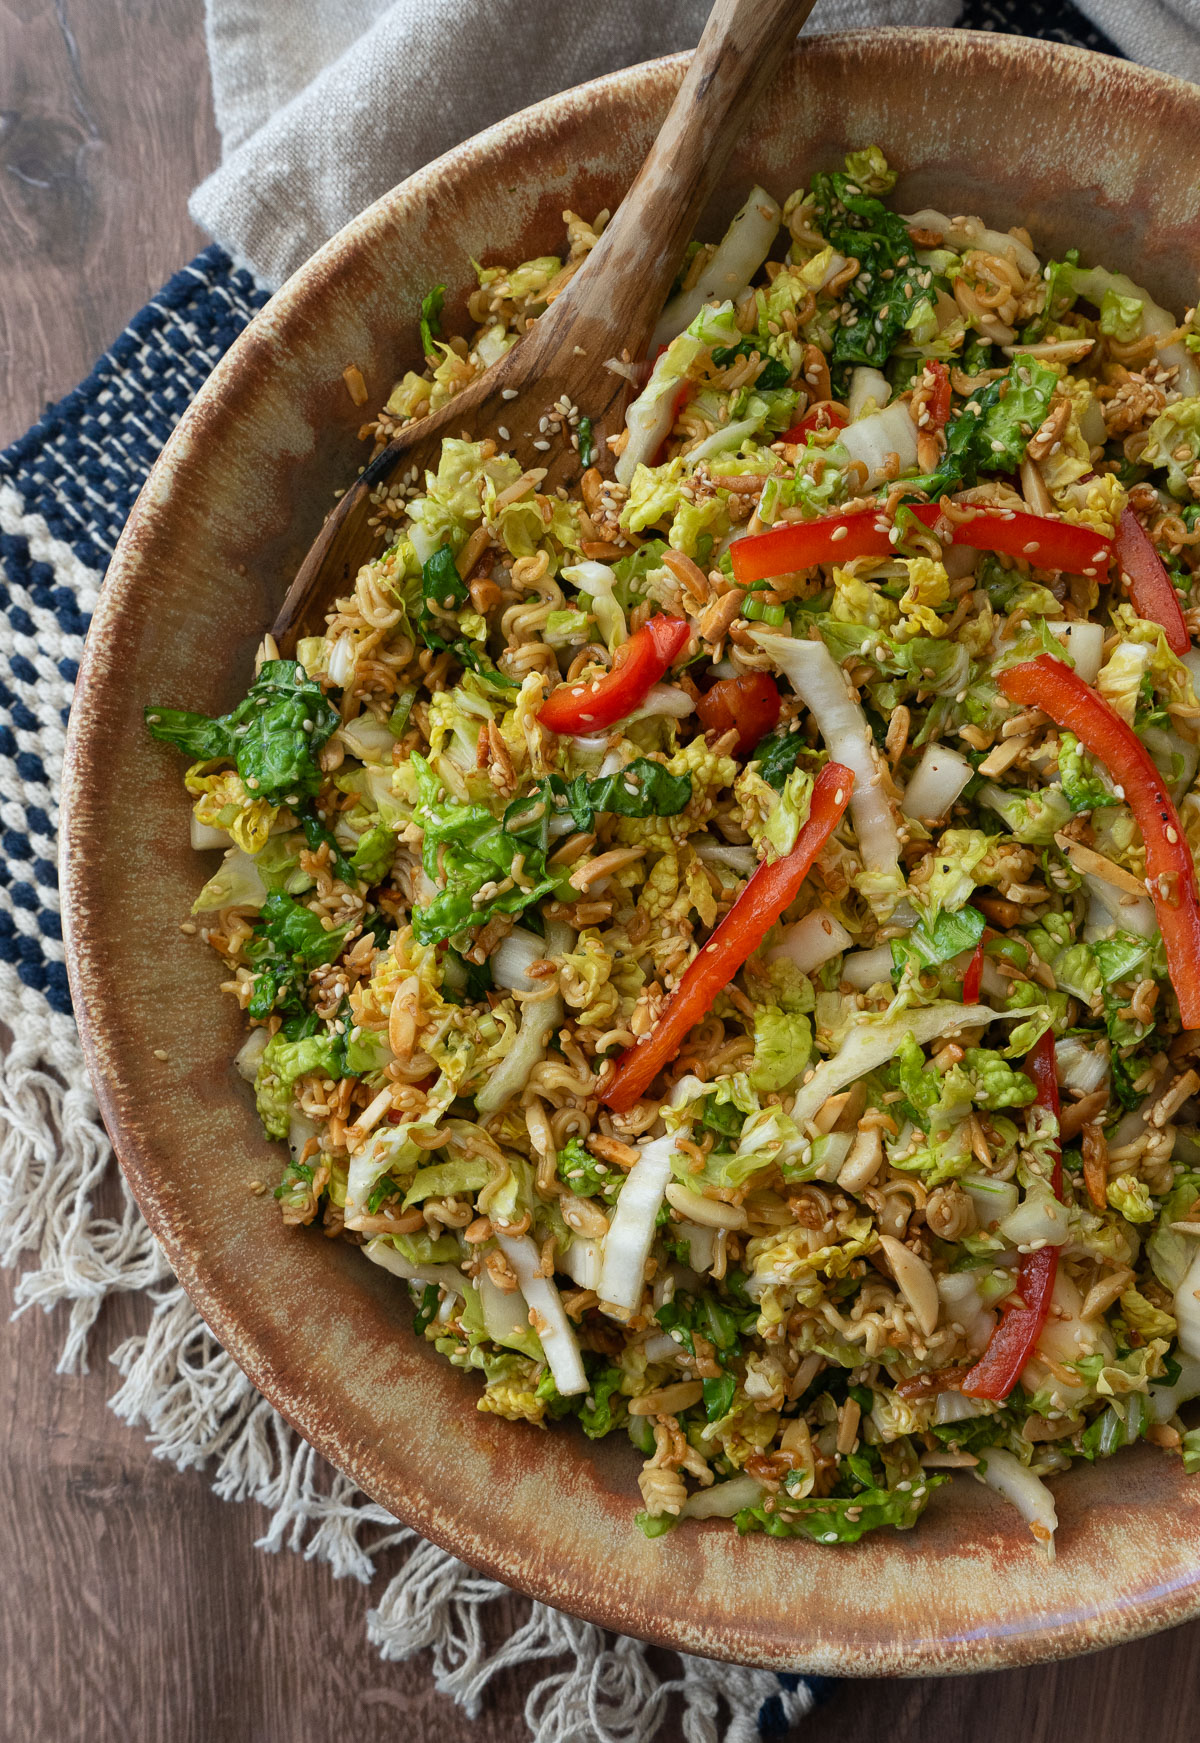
(1084, 152)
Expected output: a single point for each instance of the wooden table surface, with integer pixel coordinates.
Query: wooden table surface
(133, 1604)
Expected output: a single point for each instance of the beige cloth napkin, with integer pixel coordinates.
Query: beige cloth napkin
(323, 105)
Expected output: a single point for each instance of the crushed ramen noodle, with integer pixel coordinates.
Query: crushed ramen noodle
(726, 937)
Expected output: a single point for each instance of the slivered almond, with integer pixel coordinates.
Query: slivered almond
(612, 1150)
(1004, 755)
(1077, 1114)
(668, 1400)
(915, 1282)
(863, 1162)
(714, 625)
(689, 574)
(711, 1213)
(1086, 859)
(1095, 1163)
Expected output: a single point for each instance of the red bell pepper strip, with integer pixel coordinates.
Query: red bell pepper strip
(1049, 544)
(751, 703)
(1012, 1343)
(1042, 1067)
(1051, 685)
(938, 403)
(639, 663)
(973, 976)
(800, 544)
(827, 415)
(1046, 543)
(774, 886)
(1150, 586)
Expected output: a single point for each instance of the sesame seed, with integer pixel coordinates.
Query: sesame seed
(839, 533)
(541, 445)
(503, 434)
(161, 1053)
(508, 393)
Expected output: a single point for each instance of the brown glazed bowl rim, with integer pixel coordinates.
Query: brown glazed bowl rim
(800, 1628)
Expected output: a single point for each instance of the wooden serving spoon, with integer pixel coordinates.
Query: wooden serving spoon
(608, 308)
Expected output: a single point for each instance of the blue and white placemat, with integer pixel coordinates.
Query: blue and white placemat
(66, 488)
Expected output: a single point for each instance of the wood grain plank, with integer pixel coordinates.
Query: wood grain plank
(134, 1604)
(105, 127)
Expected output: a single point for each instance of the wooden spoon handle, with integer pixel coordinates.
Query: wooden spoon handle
(640, 251)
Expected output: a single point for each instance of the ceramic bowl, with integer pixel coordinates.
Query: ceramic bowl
(1082, 150)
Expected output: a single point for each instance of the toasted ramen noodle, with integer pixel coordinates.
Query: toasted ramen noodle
(911, 502)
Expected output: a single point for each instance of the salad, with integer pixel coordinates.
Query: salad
(726, 938)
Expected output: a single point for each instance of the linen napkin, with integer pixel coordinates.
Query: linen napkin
(322, 105)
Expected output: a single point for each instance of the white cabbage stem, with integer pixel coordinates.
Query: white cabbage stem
(961, 1300)
(666, 700)
(863, 969)
(649, 419)
(661, 1347)
(559, 1343)
(811, 941)
(742, 860)
(382, 1252)
(964, 233)
(1085, 644)
(597, 580)
(1112, 905)
(581, 1261)
(867, 385)
(250, 1052)
(1038, 1221)
(505, 1311)
(205, 835)
(821, 685)
(701, 1244)
(936, 782)
(539, 1019)
(872, 1042)
(1165, 1400)
(631, 1231)
(343, 657)
(878, 439)
(993, 1199)
(957, 1407)
(1187, 1309)
(300, 1130)
(1005, 1473)
(738, 256)
(1081, 1065)
(369, 739)
(512, 957)
(723, 1500)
